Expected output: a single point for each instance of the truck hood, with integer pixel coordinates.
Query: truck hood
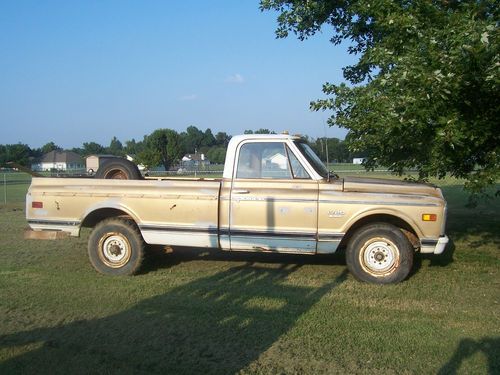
(381, 185)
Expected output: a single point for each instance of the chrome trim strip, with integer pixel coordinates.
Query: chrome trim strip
(291, 200)
(267, 234)
(272, 199)
(163, 228)
(54, 222)
(382, 203)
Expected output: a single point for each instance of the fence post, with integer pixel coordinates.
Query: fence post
(5, 189)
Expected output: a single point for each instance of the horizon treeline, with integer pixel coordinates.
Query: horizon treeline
(149, 150)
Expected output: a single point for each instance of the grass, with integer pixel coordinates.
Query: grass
(210, 312)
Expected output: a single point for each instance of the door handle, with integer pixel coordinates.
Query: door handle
(241, 191)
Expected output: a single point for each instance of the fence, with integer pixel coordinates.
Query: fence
(14, 187)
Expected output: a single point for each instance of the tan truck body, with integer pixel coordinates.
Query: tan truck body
(310, 215)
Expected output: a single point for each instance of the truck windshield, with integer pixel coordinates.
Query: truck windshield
(313, 159)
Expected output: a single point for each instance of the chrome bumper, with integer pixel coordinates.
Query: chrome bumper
(434, 246)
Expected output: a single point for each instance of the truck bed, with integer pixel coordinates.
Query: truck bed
(156, 205)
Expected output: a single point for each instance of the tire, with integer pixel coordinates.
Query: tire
(116, 247)
(379, 253)
(118, 168)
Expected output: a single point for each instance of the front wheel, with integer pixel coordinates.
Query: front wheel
(116, 247)
(379, 253)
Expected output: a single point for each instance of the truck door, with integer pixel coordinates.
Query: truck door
(273, 200)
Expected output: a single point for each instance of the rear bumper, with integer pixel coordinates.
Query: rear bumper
(431, 246)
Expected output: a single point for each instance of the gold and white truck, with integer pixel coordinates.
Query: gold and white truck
(275, 196)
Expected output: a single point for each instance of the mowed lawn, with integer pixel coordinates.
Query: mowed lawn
(200, 312)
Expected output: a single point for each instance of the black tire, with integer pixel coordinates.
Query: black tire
(379, 253)
(118, 168)
(116, 247)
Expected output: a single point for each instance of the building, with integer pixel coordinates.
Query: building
(358, 160)
(194, 160)
(60, 161)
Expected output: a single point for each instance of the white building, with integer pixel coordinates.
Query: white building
(194, 160)
(60, 161)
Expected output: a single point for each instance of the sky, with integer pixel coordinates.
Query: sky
(81, 71)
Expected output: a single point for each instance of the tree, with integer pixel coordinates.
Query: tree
(91, 148)
(222, 139)
(337, 150)
(48, 147)
(425, 91)
(17, 153)
(132, 147)
(161, 147)
(192, 139)
(208, 139)
(115, 147)
(217, 154)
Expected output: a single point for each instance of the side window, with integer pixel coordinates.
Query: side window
(263, 160)
(298, 170)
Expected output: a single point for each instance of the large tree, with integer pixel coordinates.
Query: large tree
(425, 92)
(161, 147)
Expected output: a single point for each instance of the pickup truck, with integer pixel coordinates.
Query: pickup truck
(275, 196)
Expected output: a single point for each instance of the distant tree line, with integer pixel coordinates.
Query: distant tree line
(166, 147)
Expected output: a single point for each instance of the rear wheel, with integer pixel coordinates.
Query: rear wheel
(116, 247)
(379, 253)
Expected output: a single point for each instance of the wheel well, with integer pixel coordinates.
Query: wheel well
(406, 228)
(99, 215)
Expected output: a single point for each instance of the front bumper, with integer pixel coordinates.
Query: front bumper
(430, 246)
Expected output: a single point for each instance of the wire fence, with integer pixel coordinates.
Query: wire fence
(14, 187)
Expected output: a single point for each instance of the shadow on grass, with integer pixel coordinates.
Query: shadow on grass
(157, 258)
(481, 223)
(218, 324)
(489, 346)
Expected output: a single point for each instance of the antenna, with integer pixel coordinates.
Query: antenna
(326, 148)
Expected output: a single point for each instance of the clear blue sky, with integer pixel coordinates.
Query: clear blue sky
(79, 71)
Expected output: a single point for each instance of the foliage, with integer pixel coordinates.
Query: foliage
(425, 91)
(92, 148)
(217, 154)
(222, 139)
(48, 147)
(336, 149)
(115, 147)
(18, 153)
(162, 146)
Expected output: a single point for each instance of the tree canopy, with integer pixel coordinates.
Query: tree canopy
(162, 146)
(425, 91)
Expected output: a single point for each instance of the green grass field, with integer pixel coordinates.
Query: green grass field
(200, 312)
